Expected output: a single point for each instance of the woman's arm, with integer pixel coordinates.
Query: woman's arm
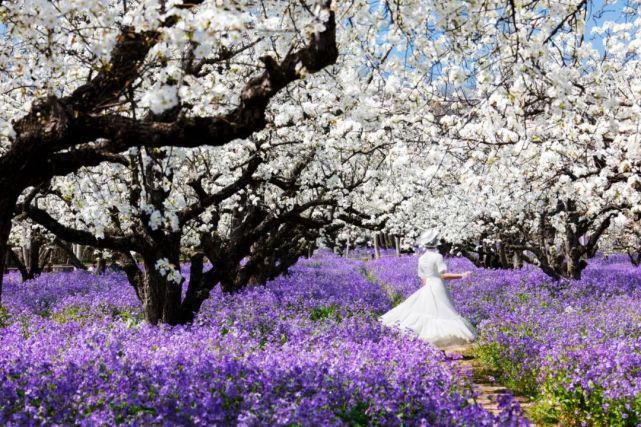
(454, 276)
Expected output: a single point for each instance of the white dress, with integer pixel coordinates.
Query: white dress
(429, 312)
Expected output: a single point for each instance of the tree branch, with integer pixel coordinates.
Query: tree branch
(81, 237)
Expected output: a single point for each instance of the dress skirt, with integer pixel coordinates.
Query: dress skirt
(430, 314)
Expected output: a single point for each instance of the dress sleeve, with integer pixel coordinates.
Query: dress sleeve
(421, 268)
(440, 265)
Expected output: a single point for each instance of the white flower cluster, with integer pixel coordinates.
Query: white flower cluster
(169, 271)
(160, 98)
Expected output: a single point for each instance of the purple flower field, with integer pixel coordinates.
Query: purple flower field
(304, 350)
(573, 346)
(307, 350)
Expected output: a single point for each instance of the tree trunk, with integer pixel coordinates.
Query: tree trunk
(550, 272)
(503, 256)
(77, 250)
(101, 266)
(573, 265)
(74, 255)
(197, 291)
(15, 260)
(7, 206)
(377, 251)
(397, 244)
(160, 297)
(33, 262)
(517, 262)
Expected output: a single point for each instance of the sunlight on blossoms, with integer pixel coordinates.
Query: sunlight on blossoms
(315, 212)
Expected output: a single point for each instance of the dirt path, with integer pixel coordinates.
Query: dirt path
(487, 390)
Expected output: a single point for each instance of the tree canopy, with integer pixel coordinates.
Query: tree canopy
(236, 135)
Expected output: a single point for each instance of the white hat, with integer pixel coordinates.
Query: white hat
(429, 239)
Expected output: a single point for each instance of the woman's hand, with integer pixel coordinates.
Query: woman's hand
(466, 274)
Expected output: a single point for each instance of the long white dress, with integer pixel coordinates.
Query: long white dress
(429, 312)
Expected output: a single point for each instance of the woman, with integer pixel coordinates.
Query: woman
(429, 312)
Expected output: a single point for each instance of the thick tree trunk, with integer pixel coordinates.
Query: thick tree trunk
(574, 264)
(160, 297)
(397, 244)
(549, 270)
(7, 206)
(197, 292)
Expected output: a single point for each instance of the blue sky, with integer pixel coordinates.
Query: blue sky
(598, 14)
(599, 11)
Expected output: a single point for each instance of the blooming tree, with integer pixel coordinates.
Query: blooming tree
(91, 80)
(138, 84)
(548, 158)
